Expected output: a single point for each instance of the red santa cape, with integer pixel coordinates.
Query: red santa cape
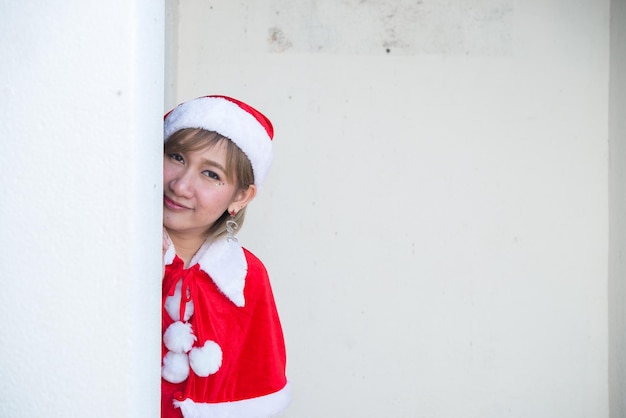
(223, 347)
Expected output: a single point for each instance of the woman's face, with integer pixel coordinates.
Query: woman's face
(196, 191)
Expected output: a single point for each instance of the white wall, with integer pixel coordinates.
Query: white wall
(81, 126)
(617, 206)
(436, 221)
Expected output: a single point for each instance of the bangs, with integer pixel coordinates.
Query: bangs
(191, 140)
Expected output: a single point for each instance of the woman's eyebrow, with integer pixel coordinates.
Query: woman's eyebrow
(212, 163)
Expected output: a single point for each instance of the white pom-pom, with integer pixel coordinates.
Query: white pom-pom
(179, 337)
(206, 360)
(172, 304)
(175, 367)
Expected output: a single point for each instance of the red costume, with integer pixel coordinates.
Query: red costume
(223, 347)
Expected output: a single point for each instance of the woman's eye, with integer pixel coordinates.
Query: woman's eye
(176, 157)
(211, 174)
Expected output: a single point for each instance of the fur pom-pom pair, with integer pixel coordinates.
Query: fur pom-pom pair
(204, 361)
(179, 339)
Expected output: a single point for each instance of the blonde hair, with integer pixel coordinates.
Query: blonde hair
(238, 166)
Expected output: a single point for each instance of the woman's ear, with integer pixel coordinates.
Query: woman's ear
(242, 198)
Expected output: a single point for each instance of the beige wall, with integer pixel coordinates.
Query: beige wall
(436, 220)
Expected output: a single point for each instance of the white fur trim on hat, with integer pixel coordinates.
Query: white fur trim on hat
(227, 118)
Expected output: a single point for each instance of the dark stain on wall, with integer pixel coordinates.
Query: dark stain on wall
(402, 27)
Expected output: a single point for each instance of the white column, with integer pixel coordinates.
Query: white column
(80, 128)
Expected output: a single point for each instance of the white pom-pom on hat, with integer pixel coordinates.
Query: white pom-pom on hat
(175, 367)
(206, 360)
(248, 128)
(179, 337)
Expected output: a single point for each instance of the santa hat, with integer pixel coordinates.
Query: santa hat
(248, 128)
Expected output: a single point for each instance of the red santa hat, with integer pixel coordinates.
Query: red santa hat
(248, 128)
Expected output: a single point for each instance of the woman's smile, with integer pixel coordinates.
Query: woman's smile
(173, 205)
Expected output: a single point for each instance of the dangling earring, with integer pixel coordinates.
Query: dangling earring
(231, 225)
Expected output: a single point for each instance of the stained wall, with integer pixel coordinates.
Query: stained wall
(436, 223)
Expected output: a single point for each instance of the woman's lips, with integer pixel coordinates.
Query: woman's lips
(173, 205)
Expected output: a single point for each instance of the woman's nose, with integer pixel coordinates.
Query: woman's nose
(182, 184)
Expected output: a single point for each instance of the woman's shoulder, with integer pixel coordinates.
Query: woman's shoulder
(257, 278)
(255, 265)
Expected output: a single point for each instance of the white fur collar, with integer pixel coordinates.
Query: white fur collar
(225, 263)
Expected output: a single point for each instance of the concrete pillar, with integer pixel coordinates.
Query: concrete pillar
(80, 127)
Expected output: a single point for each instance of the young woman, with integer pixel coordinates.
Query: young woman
(223, 347)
